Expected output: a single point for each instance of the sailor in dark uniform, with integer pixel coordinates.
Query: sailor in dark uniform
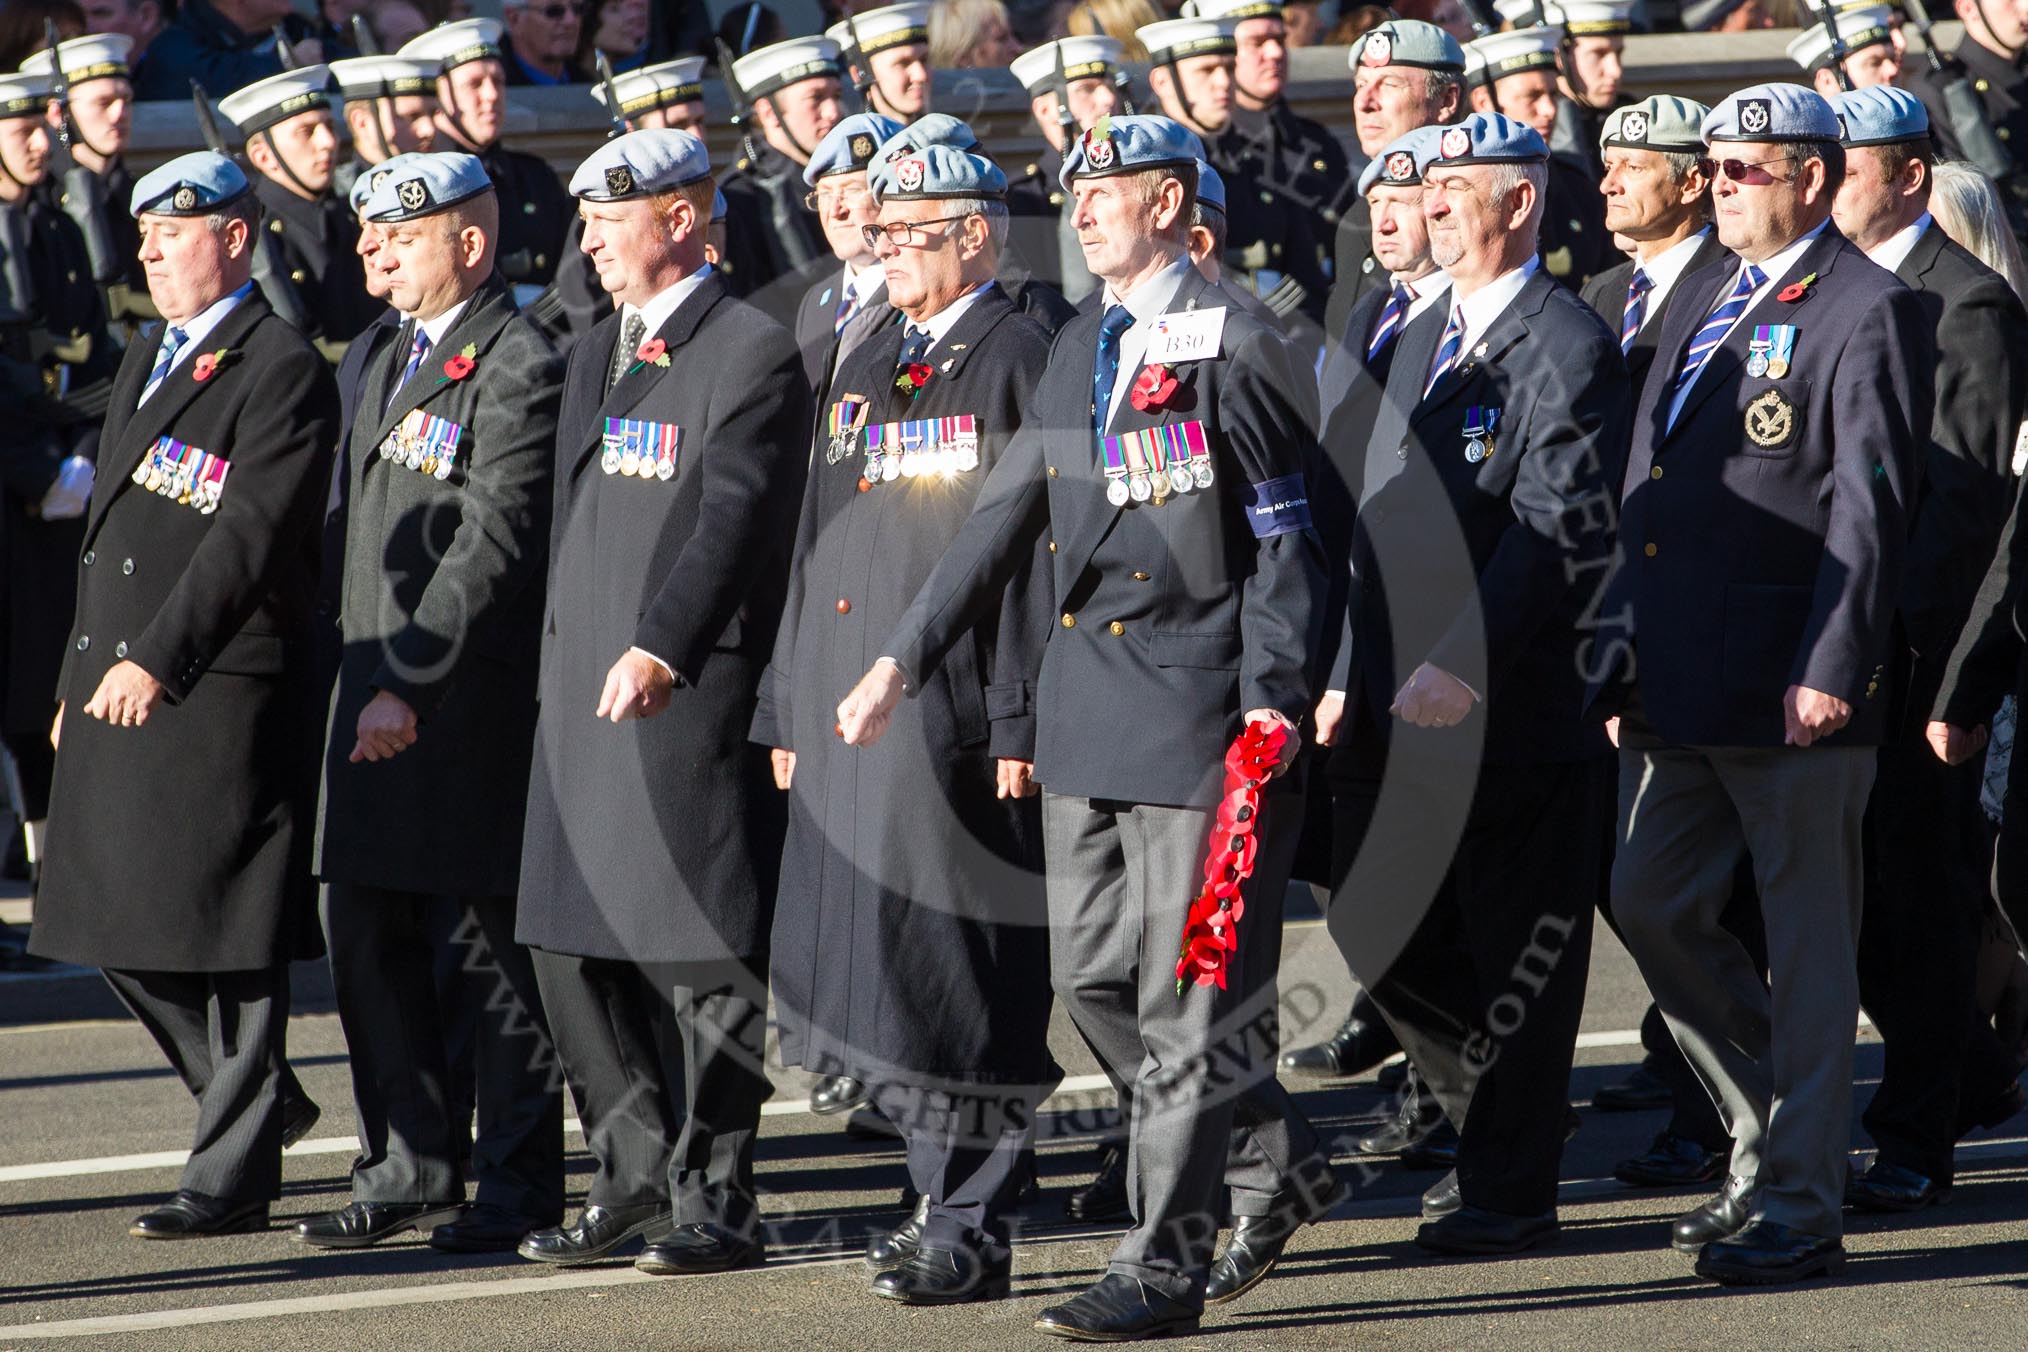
(535, 211)
(793, 92)
(1041, 236)
(1872, 55)
(102, 117)
(887, 54)
(1515, 74)
(1992, 57)
(292, 143)
(390, 109)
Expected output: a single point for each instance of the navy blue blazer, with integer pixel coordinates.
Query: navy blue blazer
(1489, 568)
(1764, 534)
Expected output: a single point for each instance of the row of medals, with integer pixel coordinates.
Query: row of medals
(882, 467)
(1146, 485)
(180, 483)
(635, 465)
(410, 452)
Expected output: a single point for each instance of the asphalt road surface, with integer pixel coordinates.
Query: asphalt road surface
(91, 1121)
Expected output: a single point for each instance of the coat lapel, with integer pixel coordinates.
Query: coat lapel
(1914, 269)
(477, 326)
(179, 389)
(1509, 328)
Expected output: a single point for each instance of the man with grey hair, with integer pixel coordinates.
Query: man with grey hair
(1484, 523)
(937, 909)
(1188, 572)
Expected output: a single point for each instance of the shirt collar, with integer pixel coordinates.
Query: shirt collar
(1153, 296)
(441, 325)
(658, 309)
(210, 317)
(1426, 291)
(861, 283)
(1490, 301)
(1893, 251)
(939, 325)
(1779, 266)
(1666, 268)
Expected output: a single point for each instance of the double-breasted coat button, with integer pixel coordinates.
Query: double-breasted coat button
(1649, 549)
(1140, 577)
(1654, 471)
(120, 649)
(1052, 471)
(127, 567)
(84, 641)
(90, 557)
(1117, 628)
(1070, 621)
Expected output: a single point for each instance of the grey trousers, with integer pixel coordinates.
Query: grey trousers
(1777, 1062)
(224, 1035)
(1199, 1066)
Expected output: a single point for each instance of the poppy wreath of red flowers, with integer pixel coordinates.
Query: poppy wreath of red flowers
(207, 363)
(462, 365)
(1153, 388)
(1796, 291)
(1211, 928)
(911, 378)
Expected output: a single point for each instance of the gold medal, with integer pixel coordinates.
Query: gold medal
(1777, 367)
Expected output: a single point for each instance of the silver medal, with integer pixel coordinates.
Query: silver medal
(1475, 450)
(1179, 478)
(610, 461)
(1140, 488)
(1116, 492)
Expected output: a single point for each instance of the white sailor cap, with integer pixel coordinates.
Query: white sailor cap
(657, 86)
(1176, 39)
(781, 64)
(95, 56)
(25, 95)
(1860, 28)
(1084, 57)
(384, 77)
(1496, 55)
(876, 30)
(454, 44)
(262, 104)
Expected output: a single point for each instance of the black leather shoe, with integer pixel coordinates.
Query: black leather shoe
(298, 1116)
(1437, 1150)
(1257, 1241)
(1391, 1076)
(1889, 1187)
(1118, 1309)
(597, 1233)
(1672, 1161)
(1765, 1253)
(484, 1229)
(700, 1248)
(889, 1251)
(1475, 1230)
(195, 1215)
(1444, 1199)
(837, 1094)
(1415, 1118)
(943, 1277)
(1640, 1091)
(365, 1223)
(1362, 1042)
(1717, 1218)
(1105, 1197)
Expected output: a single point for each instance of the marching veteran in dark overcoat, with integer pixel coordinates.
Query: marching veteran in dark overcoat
(186, 762)
(911, 950)
(654, 831)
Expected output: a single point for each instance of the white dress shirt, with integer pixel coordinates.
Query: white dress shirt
(939, 325)
(658, 309)
(1666, 269)
(1149, 301)
(199, 328)
(1489, 302)
(1773, 272)
(1893, 251)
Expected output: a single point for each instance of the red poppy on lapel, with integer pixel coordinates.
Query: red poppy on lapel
(1153, 388)
(912, 378)
(462, 365)
(654, 352)
(1796, 291)
(207, 364)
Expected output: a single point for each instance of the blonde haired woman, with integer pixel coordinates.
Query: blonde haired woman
(1117, 19)
(971, 35)
(1967, 205)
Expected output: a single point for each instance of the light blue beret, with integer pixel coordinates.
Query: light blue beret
(196, 184)
(1664, 123)
(1129, 144)
(423, 185)
(1490, 138)
(1210, 187)
(1409, 42)
(935, 171)
(1879, 115)
(1772, 112)
(640, 164)
(933, 129)
(849, 147)
(1402, 162)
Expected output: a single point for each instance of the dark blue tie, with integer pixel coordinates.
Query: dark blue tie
(1118, 319)
(1448, 350)
(1723, 317)
(1638, 287)
(1389, 322)
(172, 343)
(915, 345)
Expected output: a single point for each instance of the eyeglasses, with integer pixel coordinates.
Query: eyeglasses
(825, 200)
(1748, 172)
(900, 232)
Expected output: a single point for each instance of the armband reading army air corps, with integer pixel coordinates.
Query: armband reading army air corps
(184, 474)
(425, 443)
(1156, 461)
(922, 447)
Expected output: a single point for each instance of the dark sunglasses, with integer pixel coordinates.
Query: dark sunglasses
(1748, 172)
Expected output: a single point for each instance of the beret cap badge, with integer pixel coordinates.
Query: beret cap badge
(414, 193)
(1401, 165)
(1457, 141)
(1754, 115)
(186, 198)
(619, 180)
(908, 175)
(1634, 127)
(862, 147)
(1378, 51)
